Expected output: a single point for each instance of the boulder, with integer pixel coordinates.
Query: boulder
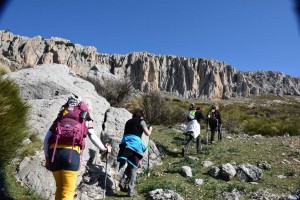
(227, 172)
(249, 173)
(159, 194)
(186, 171)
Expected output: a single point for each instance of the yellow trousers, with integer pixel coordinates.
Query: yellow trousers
(65, 184)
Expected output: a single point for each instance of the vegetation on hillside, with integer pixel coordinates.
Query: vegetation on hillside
(116, 92)
(267, 115)
(282, 153)
(13, 117)
(157, 109)
(13, 131)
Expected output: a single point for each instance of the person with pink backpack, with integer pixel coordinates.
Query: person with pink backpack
(65, 142)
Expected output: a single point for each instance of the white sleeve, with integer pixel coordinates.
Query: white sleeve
(95, 140)
(48, 135)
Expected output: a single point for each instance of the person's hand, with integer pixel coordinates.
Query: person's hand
(108, 147)
(150, 128)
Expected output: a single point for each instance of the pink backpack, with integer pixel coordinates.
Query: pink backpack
(69, 128)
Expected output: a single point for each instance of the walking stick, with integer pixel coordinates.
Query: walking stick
(148, 164)
(207, 134)
(106, 156)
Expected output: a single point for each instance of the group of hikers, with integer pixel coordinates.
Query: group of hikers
(192, 131)
(65, 141)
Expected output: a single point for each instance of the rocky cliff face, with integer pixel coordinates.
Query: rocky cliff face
(180, 76)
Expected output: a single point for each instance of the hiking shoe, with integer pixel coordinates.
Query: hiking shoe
(122, 187)
(132, 193)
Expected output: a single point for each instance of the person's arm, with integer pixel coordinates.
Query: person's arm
(200, 115)
(208, 116)
(46, 145)
(96, 140)
(146, 130)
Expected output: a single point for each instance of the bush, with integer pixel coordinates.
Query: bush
(116, 92)
(158, 111)
(3, 69)
(13, 117)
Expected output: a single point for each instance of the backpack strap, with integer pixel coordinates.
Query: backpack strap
(56, 140)
(71, 152)
(81, 142)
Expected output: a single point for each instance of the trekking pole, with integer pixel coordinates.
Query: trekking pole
(207, 134)
(148, 164)
(106, 156)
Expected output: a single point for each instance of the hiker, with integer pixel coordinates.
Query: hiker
(192, 131)
(62, 153)
(132, 150)
(214, 121)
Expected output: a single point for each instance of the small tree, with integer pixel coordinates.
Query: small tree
(116, 92)
(159, 111)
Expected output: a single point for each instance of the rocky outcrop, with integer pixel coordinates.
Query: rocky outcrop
(180, 76)
(163, 194)
(45, 88)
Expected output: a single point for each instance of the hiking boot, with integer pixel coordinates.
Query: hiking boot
(132, 193)
(122, 187)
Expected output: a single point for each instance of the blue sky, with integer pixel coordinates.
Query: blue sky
(247, 34)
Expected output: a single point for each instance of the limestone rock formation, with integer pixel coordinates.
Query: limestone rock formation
(180, 76)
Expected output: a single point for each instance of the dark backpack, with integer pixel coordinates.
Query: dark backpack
(69, 128)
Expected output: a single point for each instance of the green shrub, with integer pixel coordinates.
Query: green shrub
(13, 117)
(158, 111)
(291, 172)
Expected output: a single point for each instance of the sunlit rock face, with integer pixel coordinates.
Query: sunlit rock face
(180, 76)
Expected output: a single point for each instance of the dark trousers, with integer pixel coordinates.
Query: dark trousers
(219, 133)
(190, 141)
(213, 131)
(129, 177)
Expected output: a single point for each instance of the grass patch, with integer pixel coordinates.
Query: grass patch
(237, 150)
(13, 117)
